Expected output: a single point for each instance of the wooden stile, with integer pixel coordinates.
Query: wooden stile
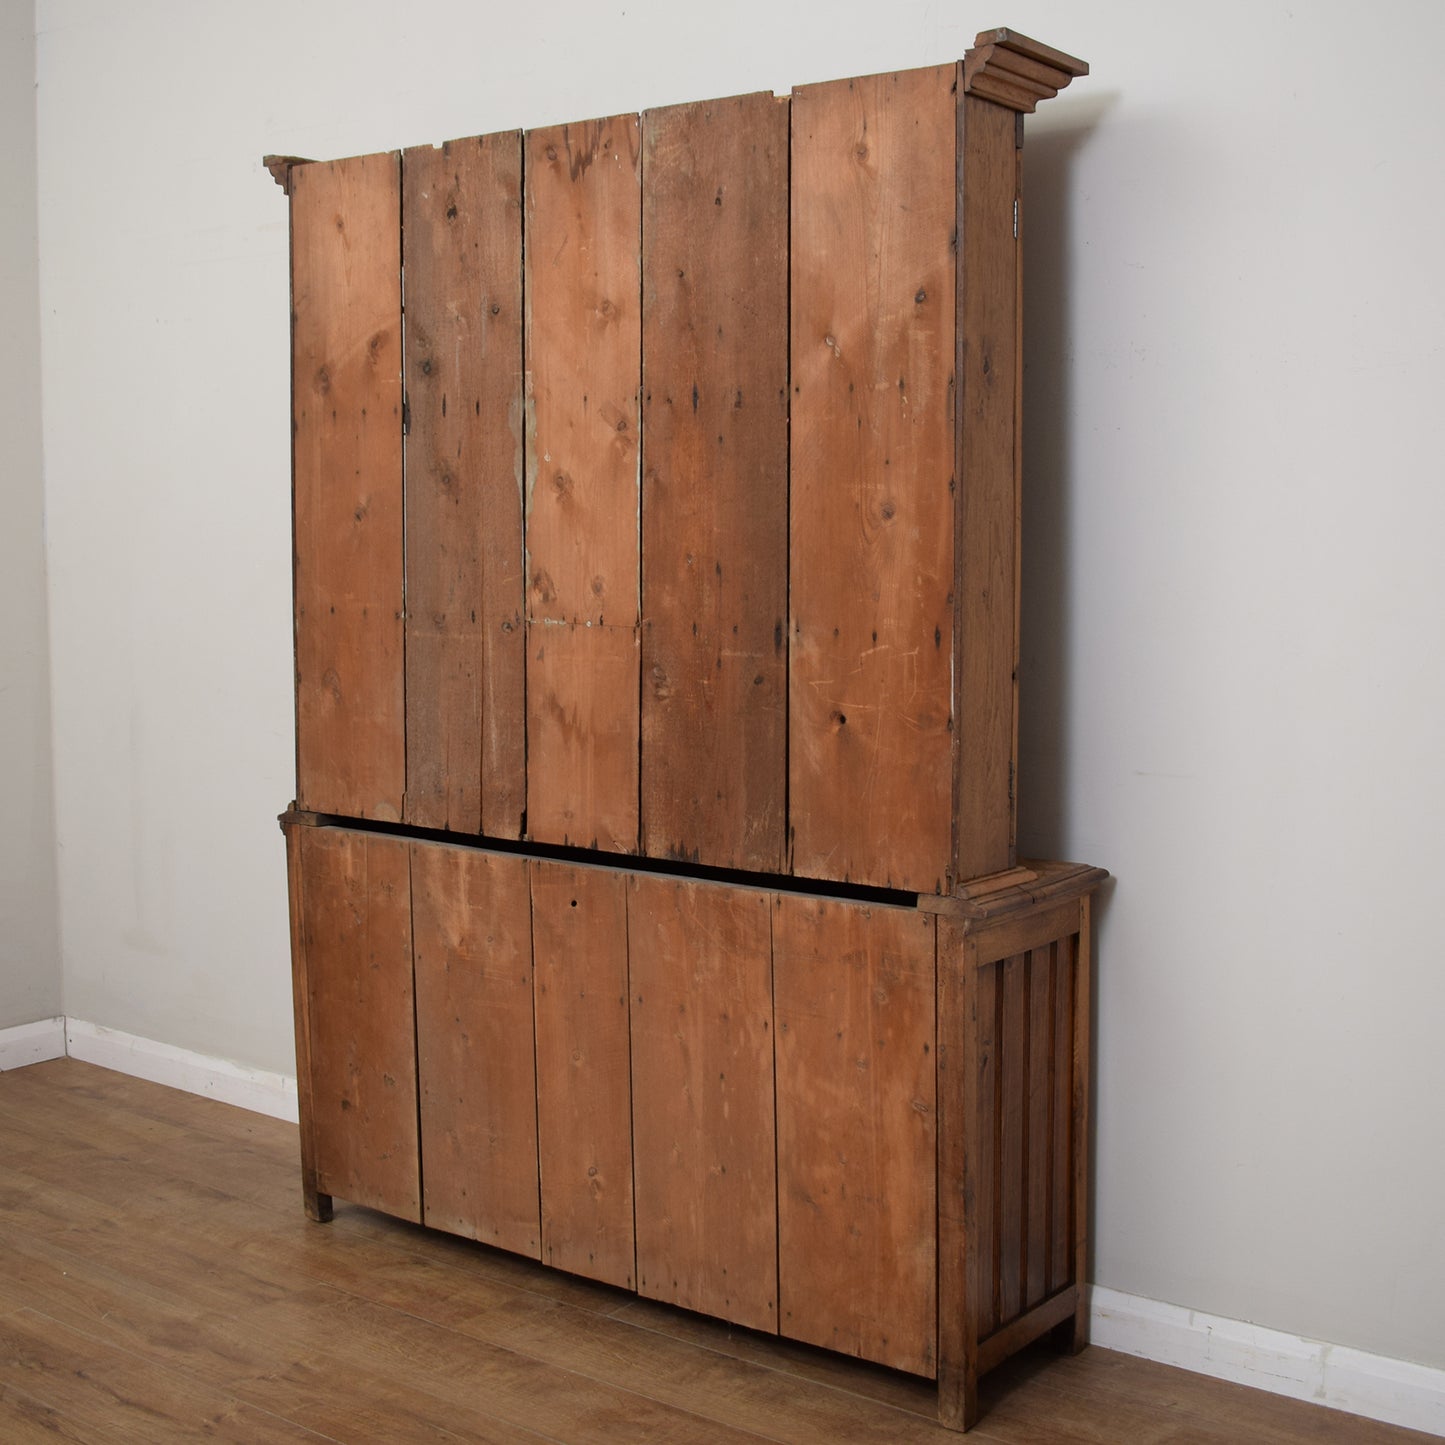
(356, 937)
(346, 451)
(584, 1071)
(475, 1053)
(715, 482)
(871, 526)
(855, 1034)
(582, 359)
(702, 1098)
(465, 644)
(1040, 1071)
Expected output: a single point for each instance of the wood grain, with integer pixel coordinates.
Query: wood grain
(702, 1098)
(1039, 1090)
(872, 515)
(855, 998)
(356, 931)
(347, 480)
(1061, 1256)
(475, 1052)
(1011, 1042)
(988, 469)
(583, 346)
(465, 644)
(715, 482)
(584, 1071)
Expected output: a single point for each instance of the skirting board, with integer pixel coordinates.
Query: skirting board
(1394, 1391)
(32, 1043)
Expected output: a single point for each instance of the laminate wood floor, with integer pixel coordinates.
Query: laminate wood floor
(158, 1281)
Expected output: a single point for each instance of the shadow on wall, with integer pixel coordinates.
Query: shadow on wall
(1049, 485)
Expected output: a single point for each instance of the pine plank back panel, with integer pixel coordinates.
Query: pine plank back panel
(583, 363)
(715, 482)
(584, 1070)
(347, 482)
(465, 645)
(872, 510)
(702, 1097)
(854, 992)
(475, 1058)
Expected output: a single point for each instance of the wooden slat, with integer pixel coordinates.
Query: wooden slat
(1082, 944)
(715, 481)
(855, 1003)
(346, 428)
(871, 531)
(702, 1098)
(988, 471)
(584, 1077)
(583, 344)
(465, 646)
(1040, 1098)
(472, 920)
(357, 934)
(1061, 1244)
(1011, 1042)
(985, 1304)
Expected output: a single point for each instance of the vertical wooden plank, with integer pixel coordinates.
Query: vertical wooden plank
(702, 1098)
(855, 1002)
(472, 920)
(1061, 1254)
(346, 440)
(988, 497)
(715, 481)
(871, 529)
(583, 345)
(584, 1078)
(465, 646)
(1079, 1125)
(1012, 1043)
(357, 936)
(989, 1125)
(1040, 1094)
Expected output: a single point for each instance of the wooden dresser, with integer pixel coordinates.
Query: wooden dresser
(655, 907)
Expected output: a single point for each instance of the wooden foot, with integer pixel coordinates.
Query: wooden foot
(318, 1205)
(957, 1398)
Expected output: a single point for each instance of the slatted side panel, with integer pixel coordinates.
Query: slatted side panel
(989, 497)
(702, 1098)
(583, 342)
(872, 524)
(356, 932)
(346, 429)
(989, 1116)
(465, 645)
(472, 919)
(715, 481)
(1061, 1158)
(857, 1262)
(584, 1079)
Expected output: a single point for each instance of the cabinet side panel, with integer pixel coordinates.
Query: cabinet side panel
(988, 495)
(465, 647)
(871, 532)
(583, 372)
(715, 481)
(1011, 1040)
(346, 427)
(584, 1075)
(356, 909)
(857, 1135)
(474, 1044)
(702, 1098)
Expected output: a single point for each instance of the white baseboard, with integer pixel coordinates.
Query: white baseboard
(254, 1089)
(32, 1043)
(1377, 1386)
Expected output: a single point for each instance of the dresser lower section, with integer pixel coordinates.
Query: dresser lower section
(855, 1124)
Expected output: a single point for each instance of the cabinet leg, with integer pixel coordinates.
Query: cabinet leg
(957, 1398)
(317, 1205)
(1072, 1335)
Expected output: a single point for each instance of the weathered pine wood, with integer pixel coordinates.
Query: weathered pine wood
(356, 933)
(475, 1051)
(584, 1072)
(582, 358)
(871, 529)
(702, 1097)
(1061, 1260)
(715, 482)
(1082, 948)
(1039, 1100)
(855, 1002)
(986, 592)
(1011, 1041)
(347, 481)
(465, 643)
(983, 1305)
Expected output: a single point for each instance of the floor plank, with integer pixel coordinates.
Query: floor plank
(159, 1281)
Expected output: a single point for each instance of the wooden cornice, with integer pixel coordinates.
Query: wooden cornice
(1012, 70)
(280, 168)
